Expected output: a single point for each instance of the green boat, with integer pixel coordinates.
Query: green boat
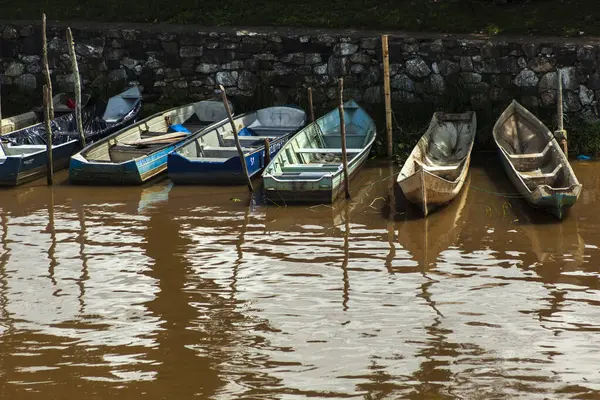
(308, 168)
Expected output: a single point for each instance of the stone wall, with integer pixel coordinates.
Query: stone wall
(187, 62)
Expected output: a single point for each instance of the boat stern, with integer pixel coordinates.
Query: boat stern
(84, 172)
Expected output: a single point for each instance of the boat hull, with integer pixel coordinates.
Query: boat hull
(325, 191)
(534, 162)
(134, 172)
(554, 202)
(435, 171)
(17, 170)
(429, 192)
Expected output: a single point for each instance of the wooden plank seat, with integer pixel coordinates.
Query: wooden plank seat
(538, 177)
(222, 152)
(296, 168)
(326, 150)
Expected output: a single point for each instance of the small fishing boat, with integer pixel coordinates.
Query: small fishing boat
(139, 153)
(308, 168)
(534, 161)
(210, 156)
(435, 170)
(63, 104)
(23, 154)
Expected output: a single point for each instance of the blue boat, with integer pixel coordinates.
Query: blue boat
(210, 157)
(23, 154)
(139, 153)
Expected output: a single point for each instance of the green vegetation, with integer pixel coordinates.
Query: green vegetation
(548, 17)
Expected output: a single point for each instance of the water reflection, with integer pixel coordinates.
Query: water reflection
(179, 292)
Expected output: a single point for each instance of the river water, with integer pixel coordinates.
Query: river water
(179, 292)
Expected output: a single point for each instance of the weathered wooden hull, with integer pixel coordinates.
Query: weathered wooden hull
(534, 162)
(432, 186)
(198, 171)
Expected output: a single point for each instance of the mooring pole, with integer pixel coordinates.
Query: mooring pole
(45, 64)
(387, 93)
(310, 105)
(560, 134)
(343, 135)
(77, 78)
(237, 139)
(267, 152)
(49, 162)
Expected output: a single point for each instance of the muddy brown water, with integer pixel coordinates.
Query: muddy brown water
(178, 292)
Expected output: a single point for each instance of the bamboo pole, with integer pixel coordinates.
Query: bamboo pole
(267, 152)
(45, 63)
(310, 105)
(237, 139)
(560, 134)
(387, 93)
(343, 135)
(49, 161)
(77, 78)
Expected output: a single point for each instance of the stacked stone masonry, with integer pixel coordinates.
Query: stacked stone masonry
(190, 62)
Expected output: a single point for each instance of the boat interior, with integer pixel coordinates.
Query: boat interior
(530, 148)
(156, 132)
(218, 143)
(444, 148)
(317, 149)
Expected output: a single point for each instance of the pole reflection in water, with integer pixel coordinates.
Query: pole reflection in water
(165, 291)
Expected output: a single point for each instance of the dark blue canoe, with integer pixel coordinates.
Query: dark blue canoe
(210, 156)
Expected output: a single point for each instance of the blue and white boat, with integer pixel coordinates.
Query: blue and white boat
(23, 154)
(210, 157)
(309, 167)
(139, 153)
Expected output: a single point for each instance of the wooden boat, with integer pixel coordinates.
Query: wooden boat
(534, 161)
(210, 156)
(23, 153)
(62, 105)
(308, 168)
(139, 153)
(437, 167)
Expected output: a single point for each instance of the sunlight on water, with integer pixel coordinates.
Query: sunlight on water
(178, 292)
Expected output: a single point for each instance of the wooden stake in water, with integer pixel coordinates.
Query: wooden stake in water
(560, 134)
(387, 93)
(45, 63)
(267, 153)
(343, 136)
(77, 78)
(310, 105)
(49, 161)
(237, 139)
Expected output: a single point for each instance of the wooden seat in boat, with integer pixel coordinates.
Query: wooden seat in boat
(315, 150)
(296, 168)
(537, 177)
